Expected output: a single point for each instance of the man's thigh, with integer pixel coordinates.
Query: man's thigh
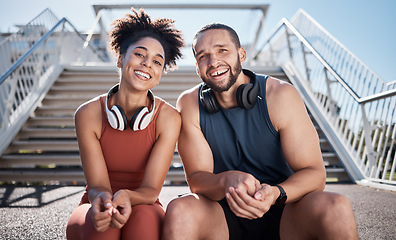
(202, 217)
(314, 215)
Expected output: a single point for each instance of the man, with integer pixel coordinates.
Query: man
(251, 156)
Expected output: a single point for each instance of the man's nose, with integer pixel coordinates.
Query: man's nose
(213, 60)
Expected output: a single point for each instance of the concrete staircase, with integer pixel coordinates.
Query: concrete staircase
(46, 149)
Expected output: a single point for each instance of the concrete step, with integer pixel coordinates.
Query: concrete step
(32, 160)
(53, 132)
(55, 111)
(36, 175)
(338, 174)
(38, 146)
(50, 121)
(60, 158)
(48, 137)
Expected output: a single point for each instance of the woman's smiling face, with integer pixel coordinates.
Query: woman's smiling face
(143, 63)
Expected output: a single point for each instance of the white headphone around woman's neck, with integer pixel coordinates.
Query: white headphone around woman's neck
(117, 117)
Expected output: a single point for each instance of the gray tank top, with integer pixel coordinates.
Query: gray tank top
(246, 140)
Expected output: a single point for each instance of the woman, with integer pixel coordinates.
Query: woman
(127, 137)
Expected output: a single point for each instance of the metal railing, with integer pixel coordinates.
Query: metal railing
(256, 11)
(357, 106)
(35, 56)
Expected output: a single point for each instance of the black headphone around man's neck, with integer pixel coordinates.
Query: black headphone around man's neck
(246, 95)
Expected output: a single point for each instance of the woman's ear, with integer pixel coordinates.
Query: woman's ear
(119, 62)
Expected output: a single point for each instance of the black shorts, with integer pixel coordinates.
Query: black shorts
(266, 227)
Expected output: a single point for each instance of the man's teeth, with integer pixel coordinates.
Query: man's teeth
(143, 74)
(217, 73)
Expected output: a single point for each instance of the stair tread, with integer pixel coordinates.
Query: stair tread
(83, 83)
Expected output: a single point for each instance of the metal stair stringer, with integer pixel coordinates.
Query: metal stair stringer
(353, 171)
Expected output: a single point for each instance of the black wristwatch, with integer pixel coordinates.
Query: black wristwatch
(282, 197)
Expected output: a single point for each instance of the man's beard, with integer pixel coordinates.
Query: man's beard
(234, 73)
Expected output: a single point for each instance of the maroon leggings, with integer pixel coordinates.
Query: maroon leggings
(145, 222)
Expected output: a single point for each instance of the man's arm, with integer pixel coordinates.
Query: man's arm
(197, 156)
(299, 140)
(300, 145)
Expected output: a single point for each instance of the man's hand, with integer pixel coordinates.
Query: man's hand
(102, 211)
(122, 209)
(242, 181)
(251, 206)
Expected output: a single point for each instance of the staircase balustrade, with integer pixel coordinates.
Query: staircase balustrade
(35, 56)
(356, 104)
(354, 107)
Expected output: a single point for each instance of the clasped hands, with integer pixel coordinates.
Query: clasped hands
(111, 211)
(246, 197)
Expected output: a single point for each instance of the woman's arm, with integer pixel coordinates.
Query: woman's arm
(167, 132)
(88, 121)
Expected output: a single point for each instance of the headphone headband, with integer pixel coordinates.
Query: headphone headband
(117, 117)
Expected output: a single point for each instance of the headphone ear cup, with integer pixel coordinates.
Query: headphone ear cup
(112, 119)
(242, 96)
(120, 118)
(138, 121)
(246, 95)
(209, 101)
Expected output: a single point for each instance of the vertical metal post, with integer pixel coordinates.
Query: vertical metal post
(372, 156)
(307, 70)
(330, 101)
(252, 49)
(289, 45)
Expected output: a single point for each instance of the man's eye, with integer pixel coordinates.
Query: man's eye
(201, 57)
(139, 54)
(158, 63)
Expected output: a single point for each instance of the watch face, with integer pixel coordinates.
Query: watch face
(282, 197)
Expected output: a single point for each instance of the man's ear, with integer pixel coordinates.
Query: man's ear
(197, 70)
(119, 62)
(242, 54)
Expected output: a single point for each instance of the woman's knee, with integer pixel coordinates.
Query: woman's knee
(148, 213)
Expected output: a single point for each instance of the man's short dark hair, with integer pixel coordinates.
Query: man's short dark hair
(231, 31)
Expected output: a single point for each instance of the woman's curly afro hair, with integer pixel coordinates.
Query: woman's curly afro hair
(137, 25)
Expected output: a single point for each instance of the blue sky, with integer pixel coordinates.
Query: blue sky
(366, 28)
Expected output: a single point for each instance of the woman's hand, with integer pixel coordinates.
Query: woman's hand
(102, 211)
(121, 210)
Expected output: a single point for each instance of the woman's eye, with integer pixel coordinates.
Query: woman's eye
(158, 63)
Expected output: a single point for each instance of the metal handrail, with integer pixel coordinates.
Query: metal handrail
(27, 80)
(362, 127)
(29, 52)
(263, 8)
(348, 88)
(301, 12)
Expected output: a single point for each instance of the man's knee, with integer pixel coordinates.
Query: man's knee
(333, 204)
(181, 208)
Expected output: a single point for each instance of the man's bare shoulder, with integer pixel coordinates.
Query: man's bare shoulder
(281, 91)
(284, 103)
(188, 98)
